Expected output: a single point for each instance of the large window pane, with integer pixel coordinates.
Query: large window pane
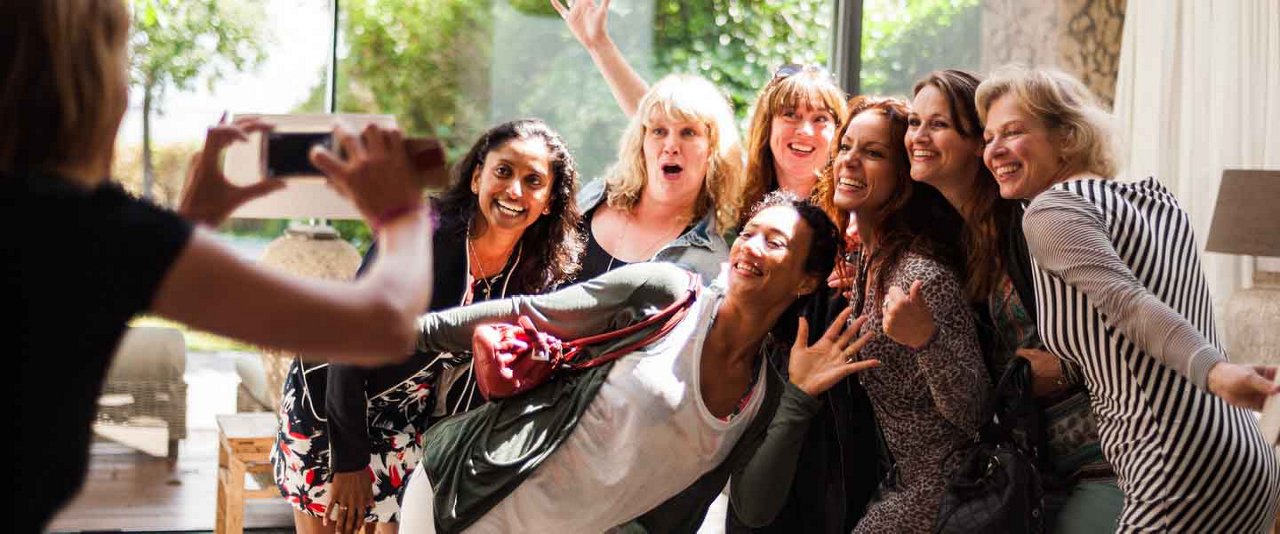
(902, 40)
(454, 67)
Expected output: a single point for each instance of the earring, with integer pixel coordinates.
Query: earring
(546, 210)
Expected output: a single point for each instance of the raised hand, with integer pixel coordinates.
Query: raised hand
(376, 173)
(587, 20)
(1245, 386)
(907, 318)
(815, 368)
(208, 197)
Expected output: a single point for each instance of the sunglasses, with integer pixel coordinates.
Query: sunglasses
(792, 69)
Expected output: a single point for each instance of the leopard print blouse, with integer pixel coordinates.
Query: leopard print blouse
(929, 402)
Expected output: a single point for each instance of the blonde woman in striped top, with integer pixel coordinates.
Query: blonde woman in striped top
(1121, 293)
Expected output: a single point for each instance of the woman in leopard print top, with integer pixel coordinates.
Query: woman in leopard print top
(930, 391)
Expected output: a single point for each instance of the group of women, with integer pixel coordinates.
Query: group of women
(885, 269)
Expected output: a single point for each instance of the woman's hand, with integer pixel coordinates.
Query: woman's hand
(1245, 386)
(209, 198)
(907, 318)
(351, 496)
(587, 20)
(815, 368)
(376, 173)
(843, 277)
(1046, 372)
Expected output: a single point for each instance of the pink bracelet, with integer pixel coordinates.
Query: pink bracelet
(393, 214)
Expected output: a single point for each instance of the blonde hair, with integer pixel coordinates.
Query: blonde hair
(65, 85)
(684, 98)
(809, 88)
(1067, 108)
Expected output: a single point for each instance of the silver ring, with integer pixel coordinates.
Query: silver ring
(340, 507)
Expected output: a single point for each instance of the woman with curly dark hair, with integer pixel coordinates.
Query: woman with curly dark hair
(508, 226)
(929, 392)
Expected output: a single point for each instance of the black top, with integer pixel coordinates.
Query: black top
(595, 259)
(348, 387)
(81, 263)
(839, 466)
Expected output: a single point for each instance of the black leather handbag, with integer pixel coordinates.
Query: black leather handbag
(997, 486)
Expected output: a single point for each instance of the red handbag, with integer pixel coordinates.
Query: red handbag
(512, 359)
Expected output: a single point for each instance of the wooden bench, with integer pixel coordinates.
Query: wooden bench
(244, 446)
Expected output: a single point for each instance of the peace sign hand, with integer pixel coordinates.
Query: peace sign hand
(907, 318)
(815, 368)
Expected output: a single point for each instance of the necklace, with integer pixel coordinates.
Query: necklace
(488, 286)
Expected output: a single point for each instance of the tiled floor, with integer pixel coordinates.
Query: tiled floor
(127, 489)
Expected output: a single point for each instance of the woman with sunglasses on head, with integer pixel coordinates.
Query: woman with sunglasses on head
(675, 187)
(944, 138)
(929, 394)
(508, 226)
(85, 256)
(652, 436)
(1123, 296)
(790, 132)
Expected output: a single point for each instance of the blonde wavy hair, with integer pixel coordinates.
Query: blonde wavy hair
(809, 88)
(683, 97)
(64, 86)
(1067, 108)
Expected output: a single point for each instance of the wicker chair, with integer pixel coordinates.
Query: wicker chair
(145, 386)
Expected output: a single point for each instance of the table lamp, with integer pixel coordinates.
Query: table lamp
(1246, 221)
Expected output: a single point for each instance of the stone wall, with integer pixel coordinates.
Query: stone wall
(1081, 37)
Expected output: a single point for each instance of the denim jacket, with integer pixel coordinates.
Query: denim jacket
(701, 249)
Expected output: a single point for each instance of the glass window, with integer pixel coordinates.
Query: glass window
(449, 68)
(902, 40)
(193, 60)
(454, 67)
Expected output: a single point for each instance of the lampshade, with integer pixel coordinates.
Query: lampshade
(1246, 219)
(304, 197)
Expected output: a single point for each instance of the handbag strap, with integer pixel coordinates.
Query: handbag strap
(669, 316)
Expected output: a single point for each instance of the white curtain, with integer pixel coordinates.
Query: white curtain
(1198, 91)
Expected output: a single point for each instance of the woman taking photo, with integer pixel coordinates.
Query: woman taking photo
(508, 226)
(1123, 296)
(675, 188)
(930, 391)
(654, 435)
(794, 120)
(944, 138)
(96, 257)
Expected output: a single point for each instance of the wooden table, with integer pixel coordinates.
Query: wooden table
(244, 446)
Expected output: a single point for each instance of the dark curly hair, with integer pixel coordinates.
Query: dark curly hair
(826, 238)
(552, 245)
(823, 248)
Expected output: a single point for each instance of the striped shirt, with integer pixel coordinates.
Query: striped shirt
(1122, 294)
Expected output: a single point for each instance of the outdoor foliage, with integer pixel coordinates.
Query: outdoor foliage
(170, 162)
(903, 41)
(738, 43)
(175, 43)
(451, 68)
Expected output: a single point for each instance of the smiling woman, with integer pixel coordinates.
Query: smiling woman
(578, 453)
(508, 226)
